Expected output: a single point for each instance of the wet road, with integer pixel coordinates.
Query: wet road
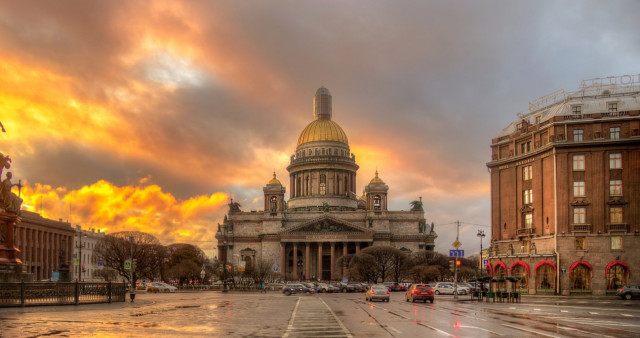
(213, 314)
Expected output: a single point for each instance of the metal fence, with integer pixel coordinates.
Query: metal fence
(51, 293)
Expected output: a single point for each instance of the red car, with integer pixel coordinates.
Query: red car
(422, 292)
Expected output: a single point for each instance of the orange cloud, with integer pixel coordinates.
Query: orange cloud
(111, 208)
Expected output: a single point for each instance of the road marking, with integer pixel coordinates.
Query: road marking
(512, 308)
(314, 316)
(536, 310)
(626, 315)
(564, 310)
(593, 313)
(394, 329)
(481, 328)
(531, 331)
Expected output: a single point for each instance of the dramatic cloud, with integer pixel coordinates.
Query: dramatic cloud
(151, 114)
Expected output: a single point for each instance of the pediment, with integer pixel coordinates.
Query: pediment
(327, 225)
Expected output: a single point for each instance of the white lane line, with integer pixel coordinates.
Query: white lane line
(564, 310)
(531, 331)
(394, 329)
(344, 328)
(293, 315)
(593, 313)
(626, 315)
(483, 329)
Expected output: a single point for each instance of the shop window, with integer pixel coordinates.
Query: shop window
(581, 278)
(616, 277)
(523, 283)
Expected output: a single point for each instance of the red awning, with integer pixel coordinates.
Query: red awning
(520, 263)
(546, 262)
(489, 269)
(578, 263)
(606, 271)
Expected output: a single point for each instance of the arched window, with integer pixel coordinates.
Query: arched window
(580, 277)
(616, 276)
(323, 184)
(500, 273)
(545, 278)
(377, 202)
(273, 204)
(521, 271)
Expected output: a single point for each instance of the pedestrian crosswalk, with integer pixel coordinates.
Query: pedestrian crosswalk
(312, 317)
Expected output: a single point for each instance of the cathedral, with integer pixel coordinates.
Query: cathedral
(304, 237)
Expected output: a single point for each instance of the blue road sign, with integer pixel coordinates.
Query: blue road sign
(485, 261)
(100, 263)
(275, 268)
(456, 253)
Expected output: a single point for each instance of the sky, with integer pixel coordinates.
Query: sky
(151, 115)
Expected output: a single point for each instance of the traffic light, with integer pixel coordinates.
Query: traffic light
(452, 266)
(458, 263)
(135, 263)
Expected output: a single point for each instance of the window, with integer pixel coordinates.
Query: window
(525, 147)
(614, 133)
(545, 277)
(612, 107)
(527, 196)
(615, 215)
(578, 162)
(581, 243)
(615, 187)
(615, 161)
(578, 189)
(579, 215)
(577, 135)
(576, 110)
(528, 220)
(376, 202)
(323, 184)
(616, 243)
(616, 276)
(527, 173)
(581, 278)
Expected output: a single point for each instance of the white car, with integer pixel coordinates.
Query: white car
(160, 287)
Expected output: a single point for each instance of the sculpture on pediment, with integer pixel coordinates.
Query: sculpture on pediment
(422, 226)
(325, 226)
(325, 206)
(416, 205)
(234, 206)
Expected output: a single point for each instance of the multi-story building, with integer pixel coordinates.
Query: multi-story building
(43, 243)
(565, 191)
(85, 259)
(323, 220)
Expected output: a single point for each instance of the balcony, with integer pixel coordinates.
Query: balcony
(582, 227)
(618, 227)
(526, 232)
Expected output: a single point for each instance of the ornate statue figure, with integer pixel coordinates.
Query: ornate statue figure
(431, 227)
(416, 205)
(5, 163)
(9, 201)
(234, 206)
(422, 226)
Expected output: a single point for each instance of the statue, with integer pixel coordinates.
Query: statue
(325, 206)
(5, 163)
(431, 228)
(9, 201)
(416, 205)
(422, 226)
(234, 206)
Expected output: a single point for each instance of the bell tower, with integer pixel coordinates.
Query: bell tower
(274, 196)
(376, 192)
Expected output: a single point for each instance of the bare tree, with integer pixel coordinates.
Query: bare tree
(184, 263)
(147, 251)
(387, 260)
(261, 271)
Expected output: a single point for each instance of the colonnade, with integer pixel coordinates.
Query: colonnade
(316, 260)
(40, 250)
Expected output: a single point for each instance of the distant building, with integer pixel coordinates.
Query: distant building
(88, 261)
(323, 220)
(565, 191)
(41, 242)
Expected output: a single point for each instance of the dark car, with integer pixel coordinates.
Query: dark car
(422, 292)
(344, 287)
(629, 291)
(296, 288)
(359, 287)
(392, 286)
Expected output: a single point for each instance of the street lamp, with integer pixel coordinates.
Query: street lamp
(224, 269)
(202, 273)
(79, 245)
(481, 236)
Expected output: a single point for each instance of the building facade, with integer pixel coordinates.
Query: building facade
(43, 243)
(86, 262)
(565, 191)
(323, 219)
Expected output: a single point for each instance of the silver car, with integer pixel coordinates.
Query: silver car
(378, 292)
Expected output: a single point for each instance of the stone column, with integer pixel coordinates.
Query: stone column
(344, 254)
(333, 261)
(320, 260)
(307, 260)
(283, 260)
(295, 261)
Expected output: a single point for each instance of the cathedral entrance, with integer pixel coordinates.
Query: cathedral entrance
(326, 267)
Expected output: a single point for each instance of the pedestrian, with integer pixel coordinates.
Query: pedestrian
(263, 289)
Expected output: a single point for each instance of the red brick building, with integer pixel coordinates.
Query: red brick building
(565, 191)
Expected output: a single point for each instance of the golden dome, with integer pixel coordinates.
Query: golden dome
(322, 130)
(376, 179)
(274, 180)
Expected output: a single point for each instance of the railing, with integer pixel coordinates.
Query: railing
(581, 227)
(619, 227)
(526, 231)
(52, 293)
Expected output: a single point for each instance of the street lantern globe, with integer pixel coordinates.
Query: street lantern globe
(202, 273)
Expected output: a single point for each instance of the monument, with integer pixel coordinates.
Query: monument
(11, 268)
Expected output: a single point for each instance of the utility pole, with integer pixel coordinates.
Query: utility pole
(455, 274)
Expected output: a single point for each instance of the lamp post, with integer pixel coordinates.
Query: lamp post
(481, 236)
(79, 246)
(132, 291)
(202, 273)
(224, 269)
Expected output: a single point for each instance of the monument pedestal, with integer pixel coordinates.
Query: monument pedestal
(11, 268)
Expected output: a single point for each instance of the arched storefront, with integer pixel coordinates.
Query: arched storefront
(580, 275)
(545, 273)
(616, 274)
(500, 272)
(521, 269)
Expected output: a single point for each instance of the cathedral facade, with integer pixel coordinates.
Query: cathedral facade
(304, 237)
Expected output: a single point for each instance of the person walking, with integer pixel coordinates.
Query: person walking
(263, 289)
